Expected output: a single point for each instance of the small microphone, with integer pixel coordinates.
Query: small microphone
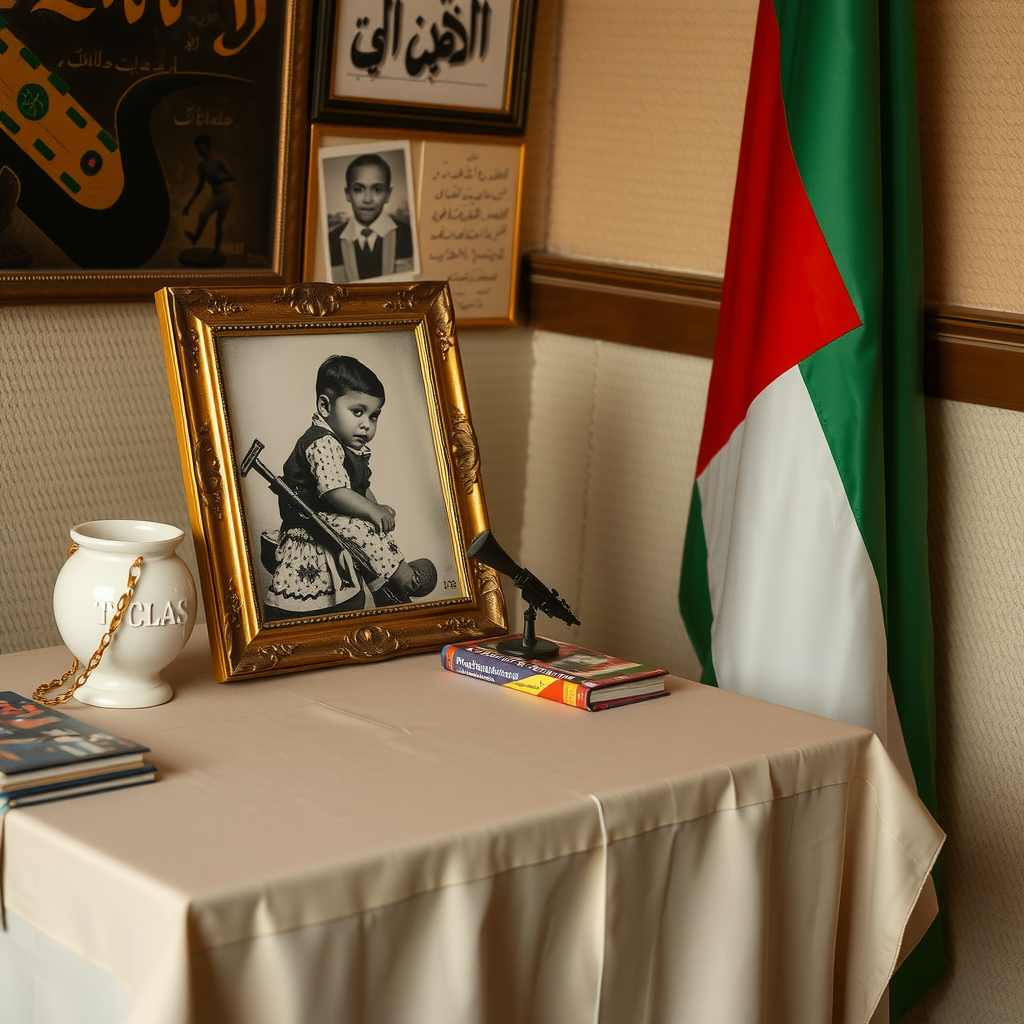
(487, 550)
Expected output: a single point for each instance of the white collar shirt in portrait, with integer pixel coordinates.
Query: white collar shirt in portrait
(353, 231)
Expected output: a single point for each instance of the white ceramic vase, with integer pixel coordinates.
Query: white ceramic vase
(156, 624)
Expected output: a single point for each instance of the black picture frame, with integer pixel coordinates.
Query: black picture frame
(326, 107)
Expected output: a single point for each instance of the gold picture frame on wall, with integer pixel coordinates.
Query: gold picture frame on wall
(278, 395)
(466, 196)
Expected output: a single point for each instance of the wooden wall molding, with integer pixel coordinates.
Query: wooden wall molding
(971, 355)
(974, 355)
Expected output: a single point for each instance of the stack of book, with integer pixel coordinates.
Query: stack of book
(47, 755)
(576, 676)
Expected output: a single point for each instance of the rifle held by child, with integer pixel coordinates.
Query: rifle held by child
(310, 515)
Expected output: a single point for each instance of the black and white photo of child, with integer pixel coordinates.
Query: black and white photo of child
(367, 212)
(329, 468)
(320, 409)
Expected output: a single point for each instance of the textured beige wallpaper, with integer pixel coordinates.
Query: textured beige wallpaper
(87, 433)
(539, 125)
(648, 112)
(971, 70)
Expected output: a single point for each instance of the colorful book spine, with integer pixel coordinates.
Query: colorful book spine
(551, 686)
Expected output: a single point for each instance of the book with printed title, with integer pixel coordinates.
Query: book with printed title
(48, 755)
(577, 676)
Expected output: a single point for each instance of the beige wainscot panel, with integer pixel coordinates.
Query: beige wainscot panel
(498, 365)
(613, 446)
(976, 507)
(555, 501)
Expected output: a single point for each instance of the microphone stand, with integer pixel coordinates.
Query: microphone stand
(530, 646)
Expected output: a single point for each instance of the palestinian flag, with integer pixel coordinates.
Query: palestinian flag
(805, 573)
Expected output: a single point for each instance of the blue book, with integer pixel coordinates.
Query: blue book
(47, 744)
(37, 794)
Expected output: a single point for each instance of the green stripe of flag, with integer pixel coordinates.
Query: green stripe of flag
(829, 64)
(694, 596)
(911, 644)
(849, 83)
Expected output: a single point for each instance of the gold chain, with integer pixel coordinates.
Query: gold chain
(122, 606)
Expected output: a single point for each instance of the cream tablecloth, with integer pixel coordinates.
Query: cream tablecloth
(394, 843)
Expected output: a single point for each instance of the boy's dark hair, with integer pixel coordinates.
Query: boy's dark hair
(340, 374)
(203, 140)
(368, 160)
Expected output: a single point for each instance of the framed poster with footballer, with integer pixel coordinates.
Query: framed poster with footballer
(150, 144)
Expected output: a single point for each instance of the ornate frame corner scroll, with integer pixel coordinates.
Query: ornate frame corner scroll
(201, 329)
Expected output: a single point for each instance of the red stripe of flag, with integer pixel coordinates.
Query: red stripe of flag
(783, 296)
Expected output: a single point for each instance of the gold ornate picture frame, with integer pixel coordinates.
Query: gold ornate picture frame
(277, 394)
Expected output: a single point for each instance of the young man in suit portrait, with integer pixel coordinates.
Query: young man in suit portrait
(372, 243)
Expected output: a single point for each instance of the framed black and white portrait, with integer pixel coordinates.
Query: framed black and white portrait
(331, 470)
(350, 432)
(467, 205)
(368, 214)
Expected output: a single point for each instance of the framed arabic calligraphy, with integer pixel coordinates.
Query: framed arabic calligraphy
(149, 143)
(463, 202)
(424, 65)
(313, 551)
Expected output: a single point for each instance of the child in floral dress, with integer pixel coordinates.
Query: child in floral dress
(329, 468)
